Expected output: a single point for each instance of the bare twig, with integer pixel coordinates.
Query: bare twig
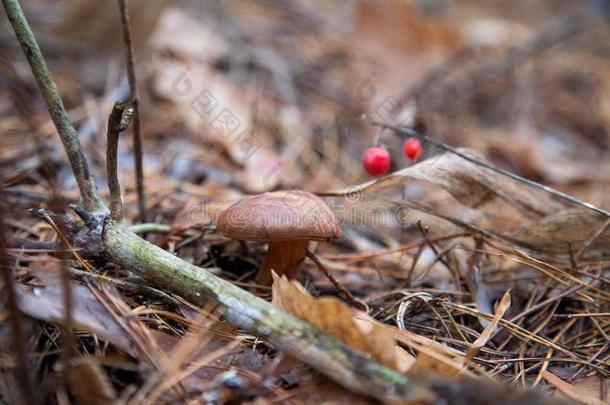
(439, 255)
(117, 122)
(407, 281)
(48, 89)
(408, 132)
(348, 295)
(135, 101)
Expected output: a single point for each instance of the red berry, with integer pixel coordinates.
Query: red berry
(412, 148)
(376, 161)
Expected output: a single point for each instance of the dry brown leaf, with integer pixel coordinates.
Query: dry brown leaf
(46, 303)
(490, 328)
(572, 390)
(467, 182)
(365, 333)
(436, 358)
(431, 354)
(550, 228)
(595, 387)
(367, 324)
(573, 226)
(335, 318)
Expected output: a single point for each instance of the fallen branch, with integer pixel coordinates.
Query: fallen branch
(247, 311)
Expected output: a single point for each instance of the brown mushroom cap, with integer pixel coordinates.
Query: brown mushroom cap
(280, 215)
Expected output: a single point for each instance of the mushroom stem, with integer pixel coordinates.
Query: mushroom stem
(284, 257)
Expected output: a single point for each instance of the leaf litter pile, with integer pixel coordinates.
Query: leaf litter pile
(445, 267)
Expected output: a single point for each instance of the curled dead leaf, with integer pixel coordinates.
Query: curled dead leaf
(470, 184)
(335, 318)
(431, 355)
(546, 224)
(366, 334)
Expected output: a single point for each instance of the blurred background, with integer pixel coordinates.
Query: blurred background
(295, 79)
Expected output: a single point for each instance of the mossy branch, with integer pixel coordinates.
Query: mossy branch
(240, 308)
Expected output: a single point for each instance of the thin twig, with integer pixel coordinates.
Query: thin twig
(117, 122)
(439, 256)
(344, 291)
(408, 132)
(135, 101)
(407, 281)
(584, 315)
(48, 89)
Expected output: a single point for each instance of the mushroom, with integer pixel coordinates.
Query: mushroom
(287, 220)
